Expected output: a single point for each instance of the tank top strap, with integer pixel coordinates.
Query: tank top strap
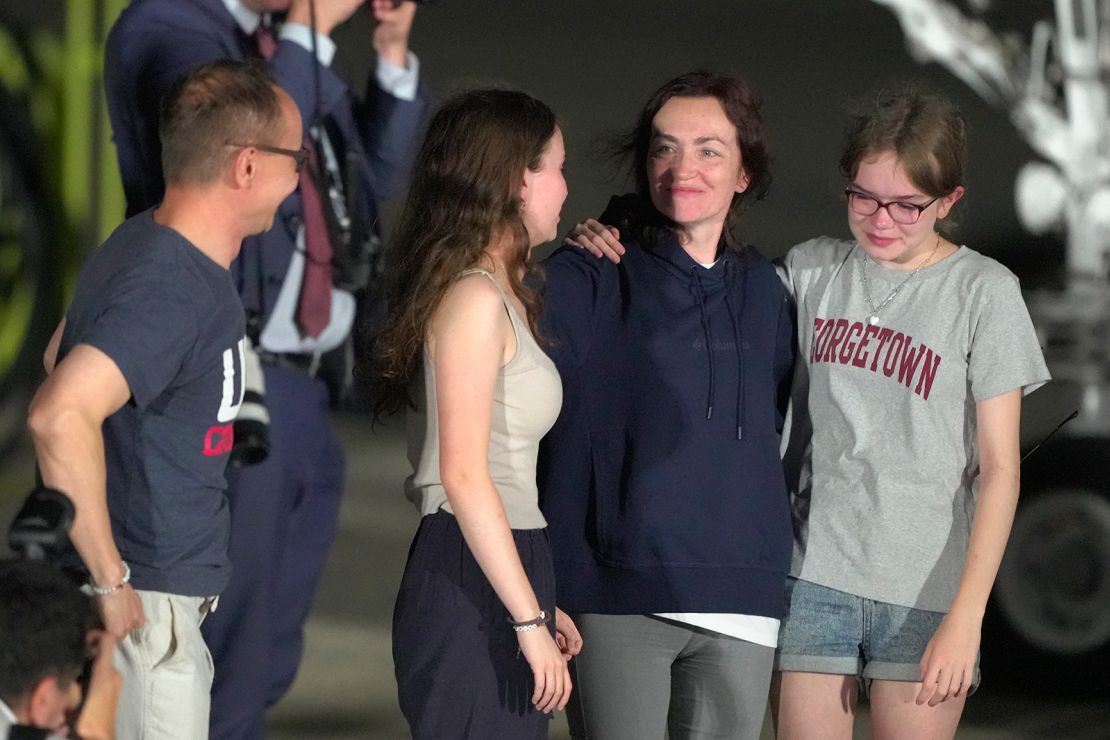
(481, 271)
(524, 338)
(504, 298)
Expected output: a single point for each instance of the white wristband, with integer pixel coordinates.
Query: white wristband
(531, 624)
(101, 591)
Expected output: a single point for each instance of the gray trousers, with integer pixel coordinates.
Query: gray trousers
(638, 676)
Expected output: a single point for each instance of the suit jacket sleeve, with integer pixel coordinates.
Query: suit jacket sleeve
(390, 128)
(146, 53)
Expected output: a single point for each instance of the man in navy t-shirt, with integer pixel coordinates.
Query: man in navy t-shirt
(134, 422)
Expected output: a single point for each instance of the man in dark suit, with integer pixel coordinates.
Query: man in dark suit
(284, 511)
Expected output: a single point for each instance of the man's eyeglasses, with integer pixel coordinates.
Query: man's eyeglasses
(900, 211)
(300, 156)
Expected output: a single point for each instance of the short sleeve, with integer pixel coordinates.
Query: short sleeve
(1005, 352)
(797, 267)
(148, 329)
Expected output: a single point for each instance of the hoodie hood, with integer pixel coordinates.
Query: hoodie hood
(725, 280)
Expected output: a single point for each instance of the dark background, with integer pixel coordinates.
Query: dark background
(596, 61)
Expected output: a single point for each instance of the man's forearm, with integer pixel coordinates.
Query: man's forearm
(70, 451)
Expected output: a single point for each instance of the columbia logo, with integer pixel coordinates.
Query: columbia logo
(718, 346)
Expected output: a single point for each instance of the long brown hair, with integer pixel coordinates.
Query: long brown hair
(465, 193)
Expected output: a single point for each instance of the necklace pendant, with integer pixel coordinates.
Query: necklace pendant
(873, 320)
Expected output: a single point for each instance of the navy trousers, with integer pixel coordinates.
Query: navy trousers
(459, 670)
(284, 516)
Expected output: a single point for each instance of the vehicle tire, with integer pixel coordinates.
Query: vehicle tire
(1048, 628)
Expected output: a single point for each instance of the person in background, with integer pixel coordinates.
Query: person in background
(479, 648)
(49, 637)
(301, 284)
(661, 481)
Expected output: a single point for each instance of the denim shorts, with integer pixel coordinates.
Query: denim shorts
(830, 631)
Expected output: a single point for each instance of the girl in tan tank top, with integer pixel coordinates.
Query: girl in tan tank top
(479, 648)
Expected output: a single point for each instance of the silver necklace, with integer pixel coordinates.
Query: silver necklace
(873, 319)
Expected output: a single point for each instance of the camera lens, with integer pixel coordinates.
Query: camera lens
(252, 424)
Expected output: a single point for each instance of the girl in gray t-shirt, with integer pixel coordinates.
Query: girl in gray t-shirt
(914, 353)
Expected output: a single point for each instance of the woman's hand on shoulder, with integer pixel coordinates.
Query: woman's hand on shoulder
(597, 239)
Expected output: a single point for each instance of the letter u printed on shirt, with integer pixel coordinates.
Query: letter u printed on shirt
(220, 438)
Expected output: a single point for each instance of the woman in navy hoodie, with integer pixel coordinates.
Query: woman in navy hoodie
(661, 480)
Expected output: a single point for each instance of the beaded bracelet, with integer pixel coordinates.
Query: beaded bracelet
(531, 624)
(105, 591)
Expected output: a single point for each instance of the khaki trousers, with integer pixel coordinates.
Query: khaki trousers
(167, 671)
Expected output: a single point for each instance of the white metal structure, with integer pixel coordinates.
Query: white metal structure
(1057, 91)
(1054, 586)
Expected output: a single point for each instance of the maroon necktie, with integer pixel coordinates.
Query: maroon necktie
(314, 304)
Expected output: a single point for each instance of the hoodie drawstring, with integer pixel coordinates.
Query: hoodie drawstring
(738, 338)
(699, 294)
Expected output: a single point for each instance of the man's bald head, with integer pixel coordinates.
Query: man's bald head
(217, 104)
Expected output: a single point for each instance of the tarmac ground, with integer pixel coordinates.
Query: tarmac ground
(345, 688)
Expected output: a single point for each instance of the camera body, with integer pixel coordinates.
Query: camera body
(252, 423)
(40, 530)
(38, 535)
